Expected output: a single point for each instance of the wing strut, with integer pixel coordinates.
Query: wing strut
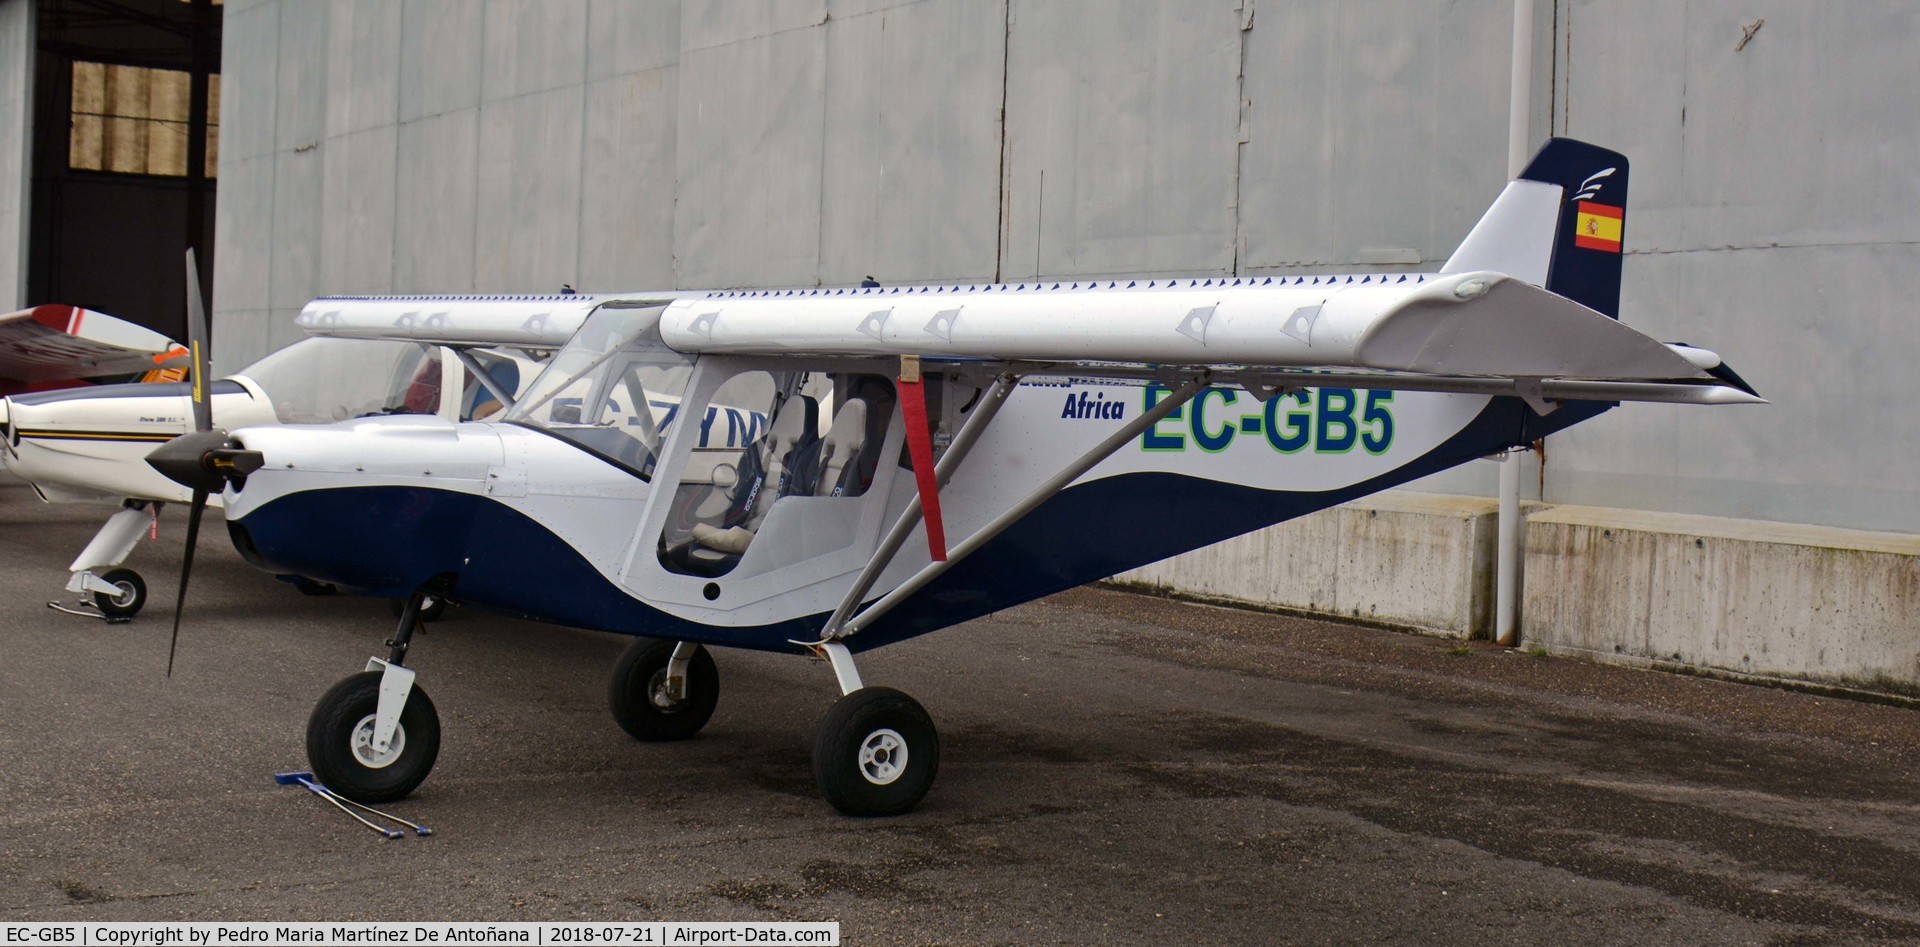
(485, 378)
(963, 442)
(840, 626)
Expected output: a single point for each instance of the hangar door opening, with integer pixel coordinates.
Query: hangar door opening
(125, 145)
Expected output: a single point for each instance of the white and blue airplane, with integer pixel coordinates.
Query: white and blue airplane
(928, 455)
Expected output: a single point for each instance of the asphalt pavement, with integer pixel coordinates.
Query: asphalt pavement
(1116, 769)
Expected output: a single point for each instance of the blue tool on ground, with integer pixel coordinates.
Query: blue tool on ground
(341, 802)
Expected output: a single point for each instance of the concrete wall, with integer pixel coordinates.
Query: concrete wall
(447, 146)
(1413, 560)
(1816, 604)
(1748, 598)
(16, 126)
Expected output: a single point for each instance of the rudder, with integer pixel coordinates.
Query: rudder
(1593, 216)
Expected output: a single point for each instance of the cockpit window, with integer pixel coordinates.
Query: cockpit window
(614, 389)
(319, 380)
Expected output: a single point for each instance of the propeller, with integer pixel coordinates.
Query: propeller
(205, 460)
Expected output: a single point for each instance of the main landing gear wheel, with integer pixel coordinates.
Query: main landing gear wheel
(432, 607)
(876, 753)
(340, 741)
(128, 600)
(639, 698)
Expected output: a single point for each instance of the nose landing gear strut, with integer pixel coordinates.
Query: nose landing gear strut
(373, 737)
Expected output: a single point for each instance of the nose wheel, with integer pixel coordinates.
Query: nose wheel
(344, 753)
(374, 736)
(129, 594)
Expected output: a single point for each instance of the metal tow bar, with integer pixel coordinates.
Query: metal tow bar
(341, 802)
(88, 611)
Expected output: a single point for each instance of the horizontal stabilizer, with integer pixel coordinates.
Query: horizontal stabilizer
(1516, 329)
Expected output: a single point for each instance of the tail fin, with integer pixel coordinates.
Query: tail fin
(1559, 225)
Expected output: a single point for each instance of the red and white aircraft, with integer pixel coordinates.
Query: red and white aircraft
(51, 347)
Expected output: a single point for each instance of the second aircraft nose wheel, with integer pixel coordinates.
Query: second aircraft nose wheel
(131, 594)
(876, 753)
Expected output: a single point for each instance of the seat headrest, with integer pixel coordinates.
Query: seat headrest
(795, 420)
(849, 429)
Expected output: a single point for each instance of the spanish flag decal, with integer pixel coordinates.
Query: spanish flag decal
(1597, 226)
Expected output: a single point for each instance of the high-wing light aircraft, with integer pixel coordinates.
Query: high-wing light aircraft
(89, 443)
(1060, 432)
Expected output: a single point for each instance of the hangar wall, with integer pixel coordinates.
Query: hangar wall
(1776, 216)
(16, 132)
(446, 146)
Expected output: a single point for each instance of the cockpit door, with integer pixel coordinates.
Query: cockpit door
(775, 488)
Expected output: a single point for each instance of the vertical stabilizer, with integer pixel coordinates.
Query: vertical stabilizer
(1559, 225)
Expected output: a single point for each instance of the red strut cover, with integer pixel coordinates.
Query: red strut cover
(913, 403)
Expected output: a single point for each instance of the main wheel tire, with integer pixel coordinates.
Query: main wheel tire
(876, 753)
(637, 693)
(432, 607)
(340, 732)
(128, 601)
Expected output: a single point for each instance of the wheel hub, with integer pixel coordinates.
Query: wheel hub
(362, 744)
(127, 594)
(883, 756)
(658, 696)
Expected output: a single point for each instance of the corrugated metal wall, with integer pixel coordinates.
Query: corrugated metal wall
(16, 130)
(451, 146)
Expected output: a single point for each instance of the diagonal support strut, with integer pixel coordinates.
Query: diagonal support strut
(1045, 492)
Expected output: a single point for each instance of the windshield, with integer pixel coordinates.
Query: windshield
(319, 380)
(614, 389)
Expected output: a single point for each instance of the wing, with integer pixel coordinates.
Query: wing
(523, 322)
(1479, 332)
(49, 344)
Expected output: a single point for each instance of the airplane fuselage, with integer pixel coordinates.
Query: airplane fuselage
(90, 443)
(511, 518)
